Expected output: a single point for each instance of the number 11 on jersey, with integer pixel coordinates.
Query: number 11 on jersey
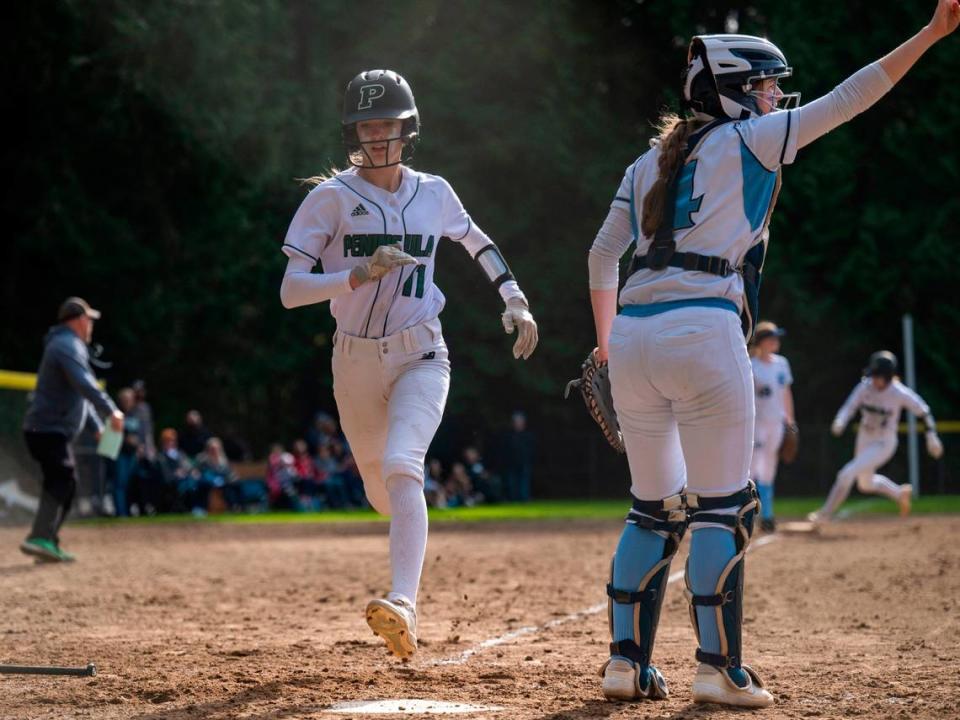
(420, 272)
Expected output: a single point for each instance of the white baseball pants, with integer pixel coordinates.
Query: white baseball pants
(768, 436)
(390, 393)
(871, 452)
(683, 392)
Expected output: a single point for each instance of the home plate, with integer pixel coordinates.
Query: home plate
(409, 707)
(798, 527)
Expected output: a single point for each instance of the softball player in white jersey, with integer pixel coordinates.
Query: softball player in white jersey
(375, 229)
(880, 397)
(681, 377)
(772, 381)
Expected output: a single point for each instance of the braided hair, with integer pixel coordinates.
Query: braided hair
(674, 132)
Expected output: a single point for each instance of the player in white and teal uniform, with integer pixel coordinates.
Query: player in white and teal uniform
(697, 205)
(772, 381)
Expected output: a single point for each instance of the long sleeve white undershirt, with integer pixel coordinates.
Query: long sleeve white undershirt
(847, 100)
(612, 240)
(300, 286)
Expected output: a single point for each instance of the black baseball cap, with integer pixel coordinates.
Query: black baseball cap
(74, 307)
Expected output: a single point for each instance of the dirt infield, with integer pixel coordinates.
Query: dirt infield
(265, 622)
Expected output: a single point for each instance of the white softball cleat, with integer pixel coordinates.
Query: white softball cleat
(713, 685)
(396, 622)
(621, 681)
(906, 497)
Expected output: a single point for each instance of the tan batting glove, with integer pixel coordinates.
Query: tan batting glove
(934, 445)
(837, 428)
(384, 259)
(517, 316)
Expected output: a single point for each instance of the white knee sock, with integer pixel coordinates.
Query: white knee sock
(883, 485)
(838, 493)
(408, 536)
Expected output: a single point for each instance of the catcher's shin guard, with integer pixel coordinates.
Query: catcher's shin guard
(715, 561)
(654, 529)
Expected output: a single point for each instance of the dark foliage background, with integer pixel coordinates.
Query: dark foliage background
(153, 150)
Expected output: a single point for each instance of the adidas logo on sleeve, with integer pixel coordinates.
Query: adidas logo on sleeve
(359, 210)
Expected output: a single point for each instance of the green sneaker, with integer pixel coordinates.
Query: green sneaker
(65, 556)
(42, 549)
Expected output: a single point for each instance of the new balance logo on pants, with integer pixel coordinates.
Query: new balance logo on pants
(359, 210)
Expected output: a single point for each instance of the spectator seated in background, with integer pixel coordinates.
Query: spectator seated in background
(347, 470)
(217, 482)
(308, 485)
(282, 480)
(193, 437)
(433, 484)
(329, 477)
(458, 488)
(484, 483)
(321, 432)
(173, 469)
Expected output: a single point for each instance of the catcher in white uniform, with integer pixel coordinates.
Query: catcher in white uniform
(880, 397)
(698, 203)
(375, 229)
(772, 381)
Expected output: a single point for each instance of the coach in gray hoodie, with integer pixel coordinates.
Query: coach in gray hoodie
(61, 405)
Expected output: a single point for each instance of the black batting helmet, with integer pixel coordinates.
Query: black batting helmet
(882, 363)
(379, 95)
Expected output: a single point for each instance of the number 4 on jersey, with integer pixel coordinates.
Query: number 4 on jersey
(687, 204)
(420, 273)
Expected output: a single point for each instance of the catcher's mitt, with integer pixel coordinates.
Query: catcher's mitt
(791, 443)
(594, 385)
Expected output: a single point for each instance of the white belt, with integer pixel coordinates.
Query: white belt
(419, 337)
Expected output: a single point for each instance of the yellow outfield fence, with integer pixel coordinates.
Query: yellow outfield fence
(943, 426)
(13, 380)
(10, 380)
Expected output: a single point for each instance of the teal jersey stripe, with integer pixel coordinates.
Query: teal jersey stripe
(758, 184)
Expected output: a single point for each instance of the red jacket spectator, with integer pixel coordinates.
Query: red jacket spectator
(302, 462)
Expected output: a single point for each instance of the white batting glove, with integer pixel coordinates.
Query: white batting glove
(384, 259)
(837, 428)
(517, 316)
(934, 446)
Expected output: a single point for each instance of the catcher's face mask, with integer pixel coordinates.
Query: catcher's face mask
(770, 97)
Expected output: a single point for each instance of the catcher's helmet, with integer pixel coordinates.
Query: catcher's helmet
(721, 70)
(882, 363)
(378, 95)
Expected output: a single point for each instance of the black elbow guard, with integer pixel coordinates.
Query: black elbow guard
(493, 265)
